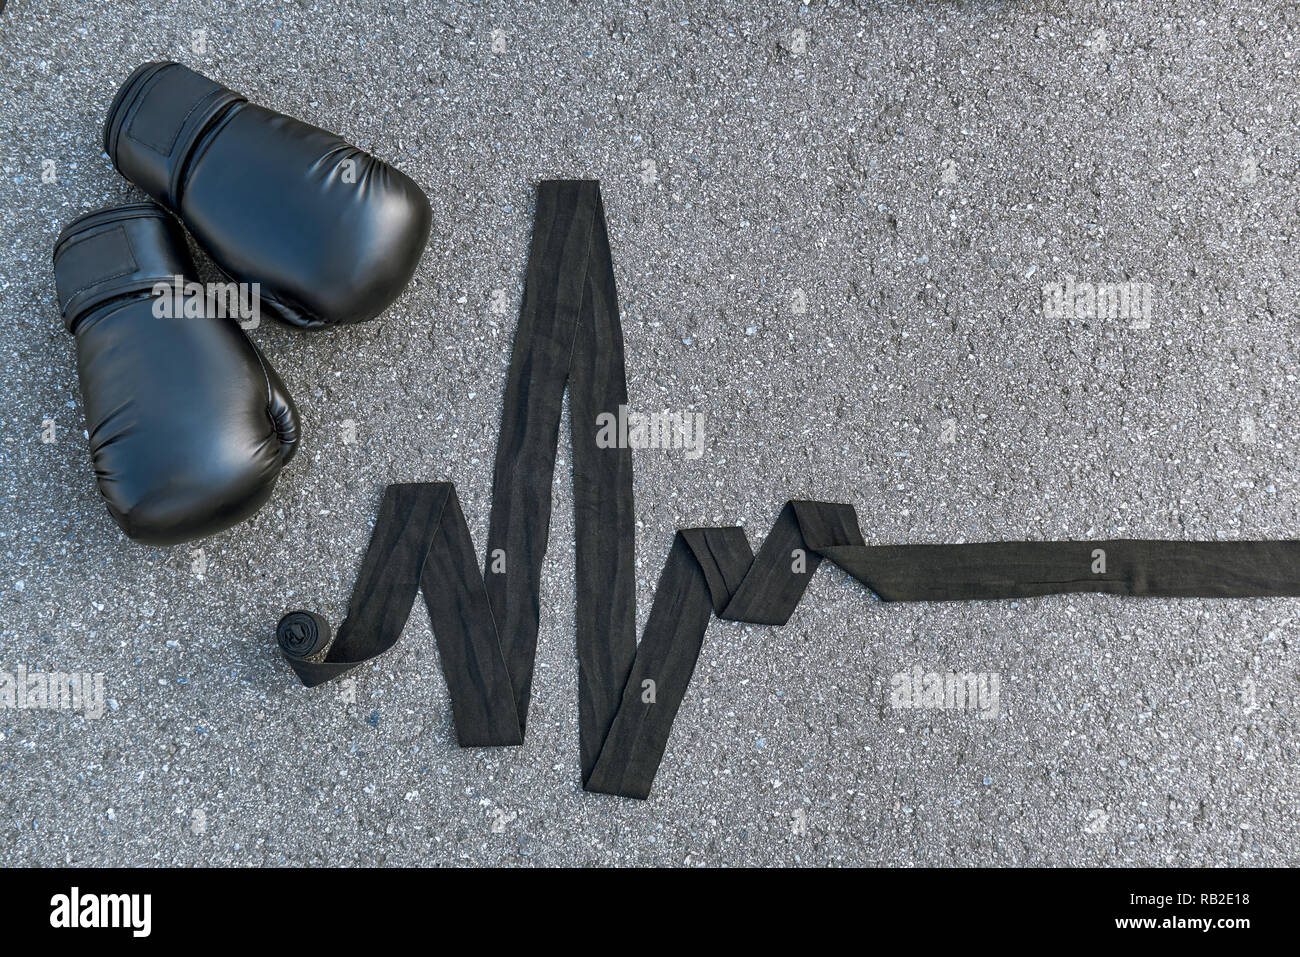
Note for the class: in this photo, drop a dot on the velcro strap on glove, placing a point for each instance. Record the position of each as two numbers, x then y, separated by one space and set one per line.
155 121
116 252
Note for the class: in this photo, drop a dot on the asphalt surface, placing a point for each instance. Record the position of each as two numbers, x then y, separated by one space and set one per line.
831 230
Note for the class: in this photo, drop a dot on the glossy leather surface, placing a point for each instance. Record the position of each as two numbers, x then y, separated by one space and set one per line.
332 234
189 425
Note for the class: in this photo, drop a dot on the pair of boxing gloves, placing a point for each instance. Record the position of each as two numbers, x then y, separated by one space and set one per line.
189 425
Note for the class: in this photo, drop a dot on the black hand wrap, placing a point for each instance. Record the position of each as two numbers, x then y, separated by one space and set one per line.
302 634
485 624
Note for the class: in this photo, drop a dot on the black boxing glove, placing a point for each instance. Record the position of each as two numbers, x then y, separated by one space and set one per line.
189 426
332 234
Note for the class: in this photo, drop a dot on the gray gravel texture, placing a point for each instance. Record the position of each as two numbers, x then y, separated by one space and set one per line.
832 225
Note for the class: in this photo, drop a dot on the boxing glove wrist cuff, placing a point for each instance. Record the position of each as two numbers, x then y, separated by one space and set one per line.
156 121
113 253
